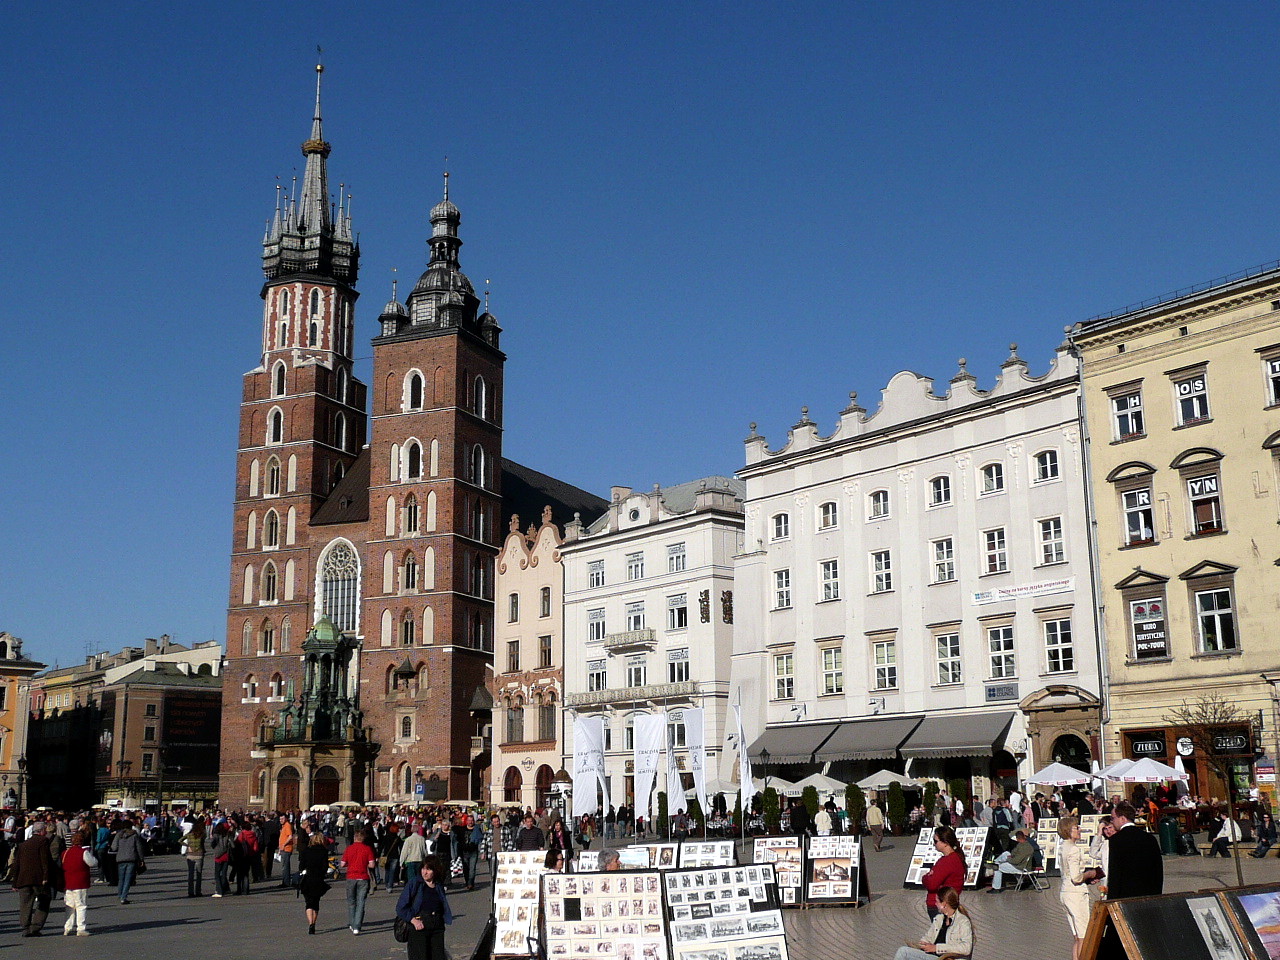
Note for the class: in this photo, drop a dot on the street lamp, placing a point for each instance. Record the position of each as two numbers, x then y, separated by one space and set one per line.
764 765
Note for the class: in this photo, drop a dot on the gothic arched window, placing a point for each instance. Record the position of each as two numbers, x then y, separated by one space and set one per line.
480 397
406 728
271 529
278 380
273 477
315 302
477 465
340 431
407 631
340 585
276 434
414 458
410 515
415 391
270 583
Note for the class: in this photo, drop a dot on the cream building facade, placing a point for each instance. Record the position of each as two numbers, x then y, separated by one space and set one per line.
917 586
649 620
528 684
1183 433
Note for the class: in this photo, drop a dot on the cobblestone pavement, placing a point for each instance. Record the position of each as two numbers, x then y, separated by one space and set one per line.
161 923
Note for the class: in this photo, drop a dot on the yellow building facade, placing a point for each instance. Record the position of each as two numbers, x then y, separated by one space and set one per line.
1182 408
16 671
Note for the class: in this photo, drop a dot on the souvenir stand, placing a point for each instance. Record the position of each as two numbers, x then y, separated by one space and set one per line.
1240 923
604 916
975 842
836 872
726 913
1047 840
786 854
515 902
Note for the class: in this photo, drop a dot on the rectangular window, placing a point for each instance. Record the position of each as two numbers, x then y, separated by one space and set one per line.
635 615
547 721
948 646
1273 382
781 589
881 572
678 612
1126 414
150 711
1000 645
678 665
1053 547
944 560
1217 621
939 491
992 478
1206 504
675 558
1193 399
1139 518
544 602
595 573
513 656
784 676
885 657
1150 640
827 516
629 737
148 762
636 672
830 570
832 670
635 566
544 651
781 526
997 551
515 724
595 624
513 607
149 734
1060 655
878 505
596 675
1046 466
675 731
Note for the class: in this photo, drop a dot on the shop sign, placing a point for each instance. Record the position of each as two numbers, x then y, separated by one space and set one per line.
1185 747
1041 589
1264 770
1147 746
1001 691
1230 743
1149 637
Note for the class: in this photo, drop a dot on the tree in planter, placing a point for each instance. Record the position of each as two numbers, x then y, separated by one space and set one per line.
809 797
662 814
855 801
772 815
897 807
930 799
697 822
1203 721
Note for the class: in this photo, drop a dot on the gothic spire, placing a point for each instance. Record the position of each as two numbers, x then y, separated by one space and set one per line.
313 210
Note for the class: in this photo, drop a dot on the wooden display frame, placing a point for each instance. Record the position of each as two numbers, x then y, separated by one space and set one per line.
787 855
843 852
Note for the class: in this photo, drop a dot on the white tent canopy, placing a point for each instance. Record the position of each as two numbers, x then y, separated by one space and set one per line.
826 786
777 783
1059 775
1116 770
1147 770
881 779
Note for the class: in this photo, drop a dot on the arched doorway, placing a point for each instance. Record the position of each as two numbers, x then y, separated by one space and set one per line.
511 785
542 781
1072 751
327 786
287 789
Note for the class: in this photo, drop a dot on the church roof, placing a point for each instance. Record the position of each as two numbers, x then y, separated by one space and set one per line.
526 492
349 501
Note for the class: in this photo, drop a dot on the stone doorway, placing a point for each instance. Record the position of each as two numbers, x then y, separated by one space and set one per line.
328 785
288 785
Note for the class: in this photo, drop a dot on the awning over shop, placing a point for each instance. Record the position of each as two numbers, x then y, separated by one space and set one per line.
791 743
877 739
975 735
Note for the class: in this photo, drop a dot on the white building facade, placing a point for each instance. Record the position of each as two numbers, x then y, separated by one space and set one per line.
648 620
917 590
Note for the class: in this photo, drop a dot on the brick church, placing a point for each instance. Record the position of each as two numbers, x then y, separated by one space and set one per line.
360 620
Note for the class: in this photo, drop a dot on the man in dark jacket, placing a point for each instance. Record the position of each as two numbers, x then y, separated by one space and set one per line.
1135 866
800 819
529 836
34 877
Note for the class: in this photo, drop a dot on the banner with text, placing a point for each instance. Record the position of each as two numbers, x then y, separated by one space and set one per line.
588 765
650 732
696 738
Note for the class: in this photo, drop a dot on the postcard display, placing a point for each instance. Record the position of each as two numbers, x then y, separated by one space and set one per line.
515 901
1241 923
604 916
786 854
728 913
587 861
707 853
836 871
974 843
1047 840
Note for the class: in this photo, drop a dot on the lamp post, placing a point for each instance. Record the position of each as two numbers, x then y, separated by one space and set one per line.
764 766
22 779
122 769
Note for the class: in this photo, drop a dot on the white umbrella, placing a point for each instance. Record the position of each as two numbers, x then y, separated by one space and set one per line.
1147 770
716 785
777 783
1116 770
1059 775
881 779
825 785
1182 787
1096 781
317 807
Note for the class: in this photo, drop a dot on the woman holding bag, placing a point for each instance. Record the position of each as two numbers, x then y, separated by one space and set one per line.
425 907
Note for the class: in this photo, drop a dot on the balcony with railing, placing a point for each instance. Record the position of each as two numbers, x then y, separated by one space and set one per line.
630 640
653 691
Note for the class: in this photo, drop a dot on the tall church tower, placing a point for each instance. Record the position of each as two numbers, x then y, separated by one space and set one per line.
302 426
435 504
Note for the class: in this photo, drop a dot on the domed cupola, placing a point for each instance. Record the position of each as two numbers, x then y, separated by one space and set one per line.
394 315
443 296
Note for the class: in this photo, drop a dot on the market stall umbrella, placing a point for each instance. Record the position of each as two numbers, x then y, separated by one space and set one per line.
1116 770
1147 770
1059 775
322 807
1182 787
459 803
714 786
823 784
881 779
777 783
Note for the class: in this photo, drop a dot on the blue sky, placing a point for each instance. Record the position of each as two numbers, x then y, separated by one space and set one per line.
693 216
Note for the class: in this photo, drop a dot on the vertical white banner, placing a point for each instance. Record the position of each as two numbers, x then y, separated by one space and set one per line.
588 765
675 788
696 738
650 733
745 791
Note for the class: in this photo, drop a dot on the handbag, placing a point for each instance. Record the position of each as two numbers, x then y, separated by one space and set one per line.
400 930
140 869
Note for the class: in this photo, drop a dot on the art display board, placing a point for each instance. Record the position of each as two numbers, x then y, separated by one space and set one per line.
836 871
708 853
1241 923
975 843
787 856
1047 840
659 856
728 913
515 901
587 861
1090 827
636 857
604 916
